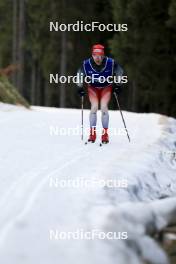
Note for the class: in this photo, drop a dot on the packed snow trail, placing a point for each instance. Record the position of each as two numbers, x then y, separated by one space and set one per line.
33 159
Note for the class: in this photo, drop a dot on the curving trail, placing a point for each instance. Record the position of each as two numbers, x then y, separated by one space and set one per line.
32 161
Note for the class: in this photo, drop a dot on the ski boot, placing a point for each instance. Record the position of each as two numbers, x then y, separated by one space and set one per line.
92 136
105 136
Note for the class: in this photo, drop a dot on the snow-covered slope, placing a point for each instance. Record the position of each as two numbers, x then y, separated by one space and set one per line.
51 183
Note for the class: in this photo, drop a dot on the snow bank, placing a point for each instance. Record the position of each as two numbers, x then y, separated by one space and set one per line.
29 207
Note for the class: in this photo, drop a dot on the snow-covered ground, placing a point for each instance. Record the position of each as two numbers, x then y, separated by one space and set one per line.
52 183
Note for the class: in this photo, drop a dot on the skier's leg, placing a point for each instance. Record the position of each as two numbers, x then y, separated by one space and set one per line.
93 97
104 101
105 98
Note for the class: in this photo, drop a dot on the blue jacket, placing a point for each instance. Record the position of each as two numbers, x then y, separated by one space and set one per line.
109 67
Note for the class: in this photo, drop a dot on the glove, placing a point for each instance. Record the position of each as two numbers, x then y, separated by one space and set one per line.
81 92
117 89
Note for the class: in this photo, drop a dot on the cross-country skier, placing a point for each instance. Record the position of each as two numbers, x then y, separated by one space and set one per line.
99 92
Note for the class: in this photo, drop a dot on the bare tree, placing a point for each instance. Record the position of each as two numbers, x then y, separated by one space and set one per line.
20 80
63 64
15 38
33 83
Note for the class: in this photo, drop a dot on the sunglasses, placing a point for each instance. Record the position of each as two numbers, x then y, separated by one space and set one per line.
100 57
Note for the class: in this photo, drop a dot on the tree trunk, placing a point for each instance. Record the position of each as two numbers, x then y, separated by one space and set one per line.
21 45
15 38
38 85
47 93
63 59
33 83
134 96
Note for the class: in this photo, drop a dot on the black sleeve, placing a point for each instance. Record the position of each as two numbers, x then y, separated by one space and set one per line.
80 74
118 70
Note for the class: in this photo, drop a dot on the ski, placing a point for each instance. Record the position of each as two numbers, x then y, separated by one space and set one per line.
89 142
100 143
103 143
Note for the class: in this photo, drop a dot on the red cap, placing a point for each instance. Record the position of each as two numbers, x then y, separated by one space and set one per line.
98 49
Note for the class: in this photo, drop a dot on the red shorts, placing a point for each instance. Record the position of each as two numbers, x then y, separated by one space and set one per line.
102 95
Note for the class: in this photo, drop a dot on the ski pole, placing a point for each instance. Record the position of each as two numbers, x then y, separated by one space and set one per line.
116 97
82 120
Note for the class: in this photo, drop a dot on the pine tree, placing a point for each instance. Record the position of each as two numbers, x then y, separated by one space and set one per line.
145 52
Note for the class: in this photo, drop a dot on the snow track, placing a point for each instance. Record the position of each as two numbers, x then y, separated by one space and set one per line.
30 158
18 201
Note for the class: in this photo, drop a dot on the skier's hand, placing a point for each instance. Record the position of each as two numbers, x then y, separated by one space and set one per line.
81 92
117 89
